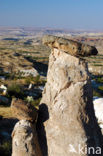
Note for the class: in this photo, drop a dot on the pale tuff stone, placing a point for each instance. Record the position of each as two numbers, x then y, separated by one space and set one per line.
98 107
24 140
72 47
66 115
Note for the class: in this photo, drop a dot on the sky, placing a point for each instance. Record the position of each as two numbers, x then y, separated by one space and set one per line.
68 14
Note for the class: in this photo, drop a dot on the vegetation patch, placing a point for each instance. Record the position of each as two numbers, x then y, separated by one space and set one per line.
6 148
15 90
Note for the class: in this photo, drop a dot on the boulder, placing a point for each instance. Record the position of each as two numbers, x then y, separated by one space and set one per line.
67 125
23 110
24 140
72 47
98 107
29 72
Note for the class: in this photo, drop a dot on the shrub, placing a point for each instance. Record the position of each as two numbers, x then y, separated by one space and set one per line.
5 148
100 79
15 90
95 93
36 102
31 79
100 88
37 79
33 102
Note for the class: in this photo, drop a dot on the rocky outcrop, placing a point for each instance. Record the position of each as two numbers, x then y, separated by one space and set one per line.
98 107
69 46
25 141
66 124
24 135
29 72
23 110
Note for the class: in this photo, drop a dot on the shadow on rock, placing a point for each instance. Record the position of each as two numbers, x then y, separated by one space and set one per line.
91 127
42 117
39 66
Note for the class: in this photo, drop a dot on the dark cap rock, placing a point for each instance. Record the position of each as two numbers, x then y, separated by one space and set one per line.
23 110
71 47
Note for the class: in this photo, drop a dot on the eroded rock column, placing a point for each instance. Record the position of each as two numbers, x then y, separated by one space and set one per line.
24 135
66 110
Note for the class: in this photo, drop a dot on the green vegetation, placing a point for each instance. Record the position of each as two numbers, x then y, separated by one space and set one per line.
34 80
33 102
98 65
36 102
100 88
99 79
5 148
15 90
96 93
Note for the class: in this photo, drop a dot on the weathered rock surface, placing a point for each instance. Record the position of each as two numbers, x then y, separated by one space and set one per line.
72 47
66 110
29 72
24 140
98 107
23 110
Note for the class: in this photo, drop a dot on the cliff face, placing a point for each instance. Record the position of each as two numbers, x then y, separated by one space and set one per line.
66 117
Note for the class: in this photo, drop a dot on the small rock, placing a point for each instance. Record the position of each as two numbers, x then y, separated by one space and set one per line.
30 86
98 107
29 72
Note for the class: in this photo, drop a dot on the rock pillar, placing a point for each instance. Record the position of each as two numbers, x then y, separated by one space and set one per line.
24 135
66 110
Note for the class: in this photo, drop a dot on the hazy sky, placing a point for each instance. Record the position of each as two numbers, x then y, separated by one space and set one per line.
74 14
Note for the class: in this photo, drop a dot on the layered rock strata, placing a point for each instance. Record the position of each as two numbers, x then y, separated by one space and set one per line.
66 124
69 46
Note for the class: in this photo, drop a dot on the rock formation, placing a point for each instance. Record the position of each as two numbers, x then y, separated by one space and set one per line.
24 135
23 110
72 47
98 107
66 124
